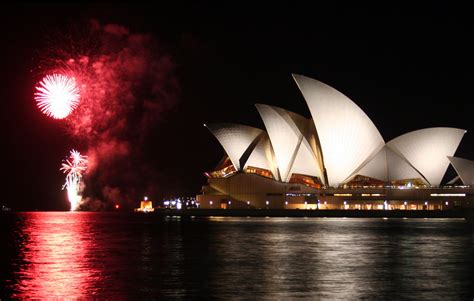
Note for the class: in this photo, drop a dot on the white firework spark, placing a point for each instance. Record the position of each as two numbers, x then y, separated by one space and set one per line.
74 167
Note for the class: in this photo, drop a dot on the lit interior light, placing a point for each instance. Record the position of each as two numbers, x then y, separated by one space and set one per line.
448 194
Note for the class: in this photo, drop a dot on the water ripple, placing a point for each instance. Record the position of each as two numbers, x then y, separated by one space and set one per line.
66 255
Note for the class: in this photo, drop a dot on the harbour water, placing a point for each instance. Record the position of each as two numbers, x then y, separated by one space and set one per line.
132 256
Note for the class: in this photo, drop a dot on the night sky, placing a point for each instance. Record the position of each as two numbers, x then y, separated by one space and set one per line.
407 67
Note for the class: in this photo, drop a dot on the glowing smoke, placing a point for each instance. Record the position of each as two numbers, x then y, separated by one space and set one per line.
127 83
74 167
57 95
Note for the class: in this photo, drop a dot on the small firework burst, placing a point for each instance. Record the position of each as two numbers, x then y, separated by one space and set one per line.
74 167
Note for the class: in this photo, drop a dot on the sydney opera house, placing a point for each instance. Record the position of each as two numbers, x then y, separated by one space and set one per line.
337 159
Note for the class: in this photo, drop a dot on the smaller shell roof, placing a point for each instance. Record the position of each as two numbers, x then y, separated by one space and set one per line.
236 139
464 168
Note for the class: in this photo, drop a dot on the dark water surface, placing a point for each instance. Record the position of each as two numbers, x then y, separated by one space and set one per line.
125 256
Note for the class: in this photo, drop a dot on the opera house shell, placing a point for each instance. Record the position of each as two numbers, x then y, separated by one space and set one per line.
337 159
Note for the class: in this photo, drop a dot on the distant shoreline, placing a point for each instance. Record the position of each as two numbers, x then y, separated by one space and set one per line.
316 213
467 214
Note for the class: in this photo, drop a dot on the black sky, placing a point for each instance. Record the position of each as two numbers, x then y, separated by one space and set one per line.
407 67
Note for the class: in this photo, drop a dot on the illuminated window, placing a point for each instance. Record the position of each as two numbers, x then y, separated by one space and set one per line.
362 181
448 194
313 182
223 170
409 183
259 171
372 194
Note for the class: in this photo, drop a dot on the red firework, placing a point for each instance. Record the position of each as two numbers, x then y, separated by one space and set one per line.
57 95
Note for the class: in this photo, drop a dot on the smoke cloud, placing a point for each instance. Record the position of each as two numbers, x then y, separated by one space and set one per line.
127 84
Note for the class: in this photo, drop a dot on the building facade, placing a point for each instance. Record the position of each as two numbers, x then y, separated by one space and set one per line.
335 160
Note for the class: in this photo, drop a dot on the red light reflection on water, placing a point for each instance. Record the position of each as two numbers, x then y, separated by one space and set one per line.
55 257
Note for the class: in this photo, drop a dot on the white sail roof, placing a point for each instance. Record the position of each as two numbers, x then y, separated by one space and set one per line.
262 156
427 150
305 162
399 169
346 134
464 168
375 168
236 139
342 141
388 166
286 131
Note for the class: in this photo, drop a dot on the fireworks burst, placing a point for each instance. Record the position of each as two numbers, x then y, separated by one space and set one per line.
111 87
74 167
57 95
